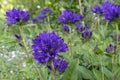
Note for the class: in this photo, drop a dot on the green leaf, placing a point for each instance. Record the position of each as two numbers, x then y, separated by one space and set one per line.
71 72
30 60
107 73
86 73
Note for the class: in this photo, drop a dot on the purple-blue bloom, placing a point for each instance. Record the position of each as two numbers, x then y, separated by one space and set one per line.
87 26
111 49
47 45
86 34
69 17
16 15
41 17
66 28
46 10
97 9
109 10
35 20
59 64
80 28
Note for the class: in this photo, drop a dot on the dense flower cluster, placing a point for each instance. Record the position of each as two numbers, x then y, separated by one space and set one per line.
69 17
109 10
111 49
80 28
66 28
87 34
46 47
42 15
59 64
16 15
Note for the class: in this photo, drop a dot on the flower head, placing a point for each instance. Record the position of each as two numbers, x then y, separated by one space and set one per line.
109 10
41 17
86 34
35 20
66 28
80 28
59 64
47 45
69 17
16 15
97 9
46 10
111 49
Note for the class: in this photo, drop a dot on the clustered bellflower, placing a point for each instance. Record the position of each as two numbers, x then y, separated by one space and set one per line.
59 64
111 49
46 47
66 28
69 17
86 34
109 10
42 15
80 27
16 15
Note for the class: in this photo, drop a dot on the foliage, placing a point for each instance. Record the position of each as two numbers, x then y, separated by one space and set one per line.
86 61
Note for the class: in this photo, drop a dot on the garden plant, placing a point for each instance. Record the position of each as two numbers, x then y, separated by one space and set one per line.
60 40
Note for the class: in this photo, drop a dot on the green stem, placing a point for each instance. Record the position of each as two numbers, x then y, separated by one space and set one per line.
80 5
54 71
26 51
102 66
113 75
70 43
117 34
48 22
117 30
25 46
89 55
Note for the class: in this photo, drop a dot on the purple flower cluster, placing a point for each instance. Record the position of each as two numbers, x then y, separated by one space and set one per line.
16 15
86 34
109 10
69 17
59 64
46 47
80 27
66 28
42 15
111 49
